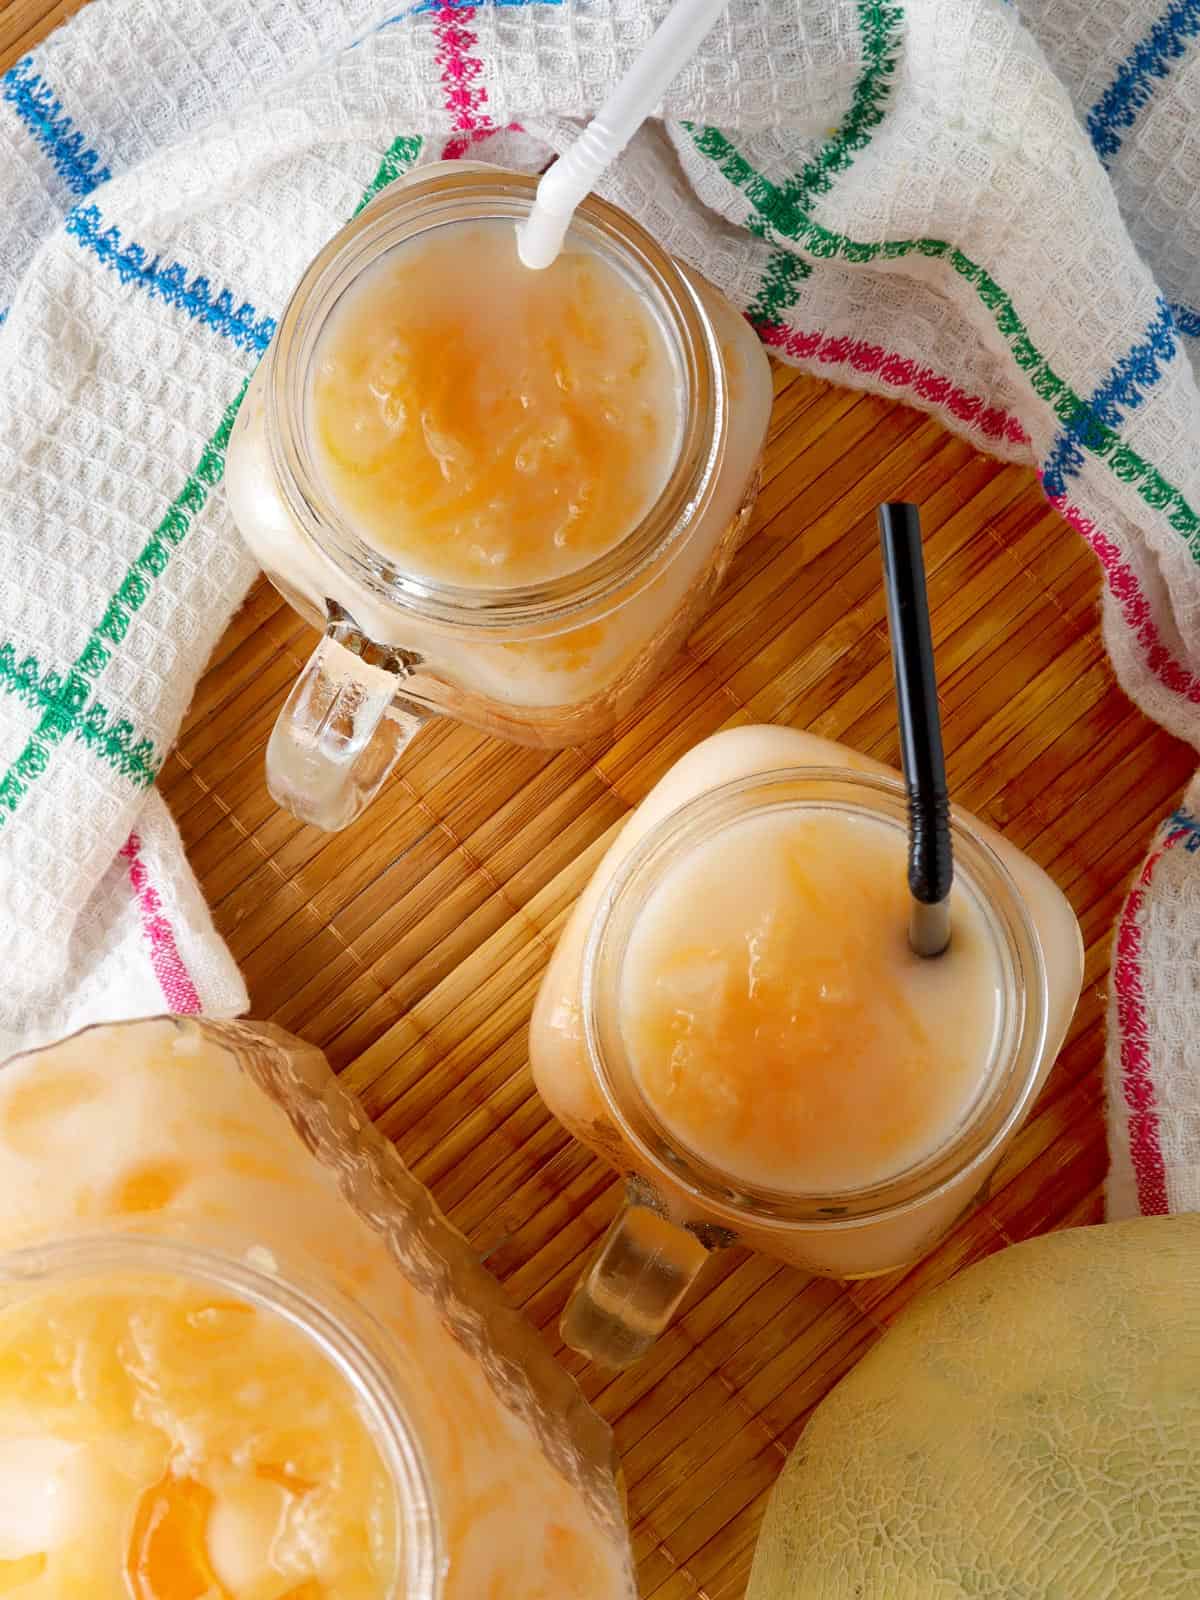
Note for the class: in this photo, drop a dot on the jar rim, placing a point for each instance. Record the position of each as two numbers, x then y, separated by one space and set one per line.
337 1329
1006 1090
418 203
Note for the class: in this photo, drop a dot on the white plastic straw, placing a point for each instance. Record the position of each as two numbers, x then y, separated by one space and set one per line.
682 32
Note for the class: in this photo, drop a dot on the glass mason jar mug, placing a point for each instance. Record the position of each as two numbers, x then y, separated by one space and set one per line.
684 1196
547 662
192 1300
241 1353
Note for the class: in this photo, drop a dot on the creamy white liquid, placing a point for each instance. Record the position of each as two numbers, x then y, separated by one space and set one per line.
778 1022
486 426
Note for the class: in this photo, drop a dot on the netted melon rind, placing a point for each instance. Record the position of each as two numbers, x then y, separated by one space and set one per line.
1031 1431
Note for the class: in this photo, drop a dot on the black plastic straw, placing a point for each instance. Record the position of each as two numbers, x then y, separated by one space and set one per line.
930 855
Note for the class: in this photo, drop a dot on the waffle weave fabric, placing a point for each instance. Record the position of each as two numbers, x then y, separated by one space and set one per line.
991 214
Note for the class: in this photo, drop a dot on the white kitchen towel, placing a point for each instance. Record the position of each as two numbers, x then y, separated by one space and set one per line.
990 212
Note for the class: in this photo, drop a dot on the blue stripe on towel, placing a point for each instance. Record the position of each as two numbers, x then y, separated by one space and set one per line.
1187 320
38 108
1136 79
1124 388
169 281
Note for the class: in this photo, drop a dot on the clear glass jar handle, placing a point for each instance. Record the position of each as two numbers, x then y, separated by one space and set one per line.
634 1283
342 728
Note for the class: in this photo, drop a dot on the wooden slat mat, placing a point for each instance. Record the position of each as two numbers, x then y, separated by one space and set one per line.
410 947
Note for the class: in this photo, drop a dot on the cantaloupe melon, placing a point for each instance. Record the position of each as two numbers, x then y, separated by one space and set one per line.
1031 1431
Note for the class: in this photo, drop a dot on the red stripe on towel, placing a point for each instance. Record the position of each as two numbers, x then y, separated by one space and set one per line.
173 977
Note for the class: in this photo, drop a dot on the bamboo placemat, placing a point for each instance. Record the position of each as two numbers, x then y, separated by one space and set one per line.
410 947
